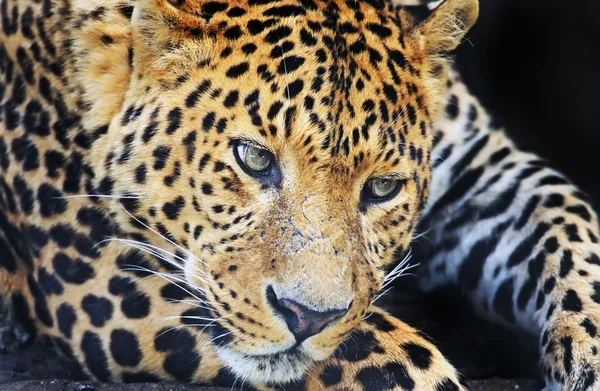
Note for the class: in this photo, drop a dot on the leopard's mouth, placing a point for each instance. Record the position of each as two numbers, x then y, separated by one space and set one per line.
281 367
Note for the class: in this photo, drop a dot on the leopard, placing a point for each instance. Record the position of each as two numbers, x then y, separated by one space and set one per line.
218 192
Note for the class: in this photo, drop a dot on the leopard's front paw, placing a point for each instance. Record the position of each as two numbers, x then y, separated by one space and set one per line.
570 350
383 353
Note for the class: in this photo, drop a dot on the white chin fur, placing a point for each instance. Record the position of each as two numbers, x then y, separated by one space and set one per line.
279 368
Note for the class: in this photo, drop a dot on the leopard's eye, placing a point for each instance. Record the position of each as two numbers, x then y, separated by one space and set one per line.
256 160
381 189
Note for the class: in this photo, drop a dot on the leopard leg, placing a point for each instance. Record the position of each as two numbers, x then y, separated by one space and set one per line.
517 239
382 353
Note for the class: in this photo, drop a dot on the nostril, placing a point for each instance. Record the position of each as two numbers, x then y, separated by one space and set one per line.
291 319
302 321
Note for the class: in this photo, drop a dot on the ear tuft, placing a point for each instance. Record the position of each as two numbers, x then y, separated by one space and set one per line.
441 23
448 23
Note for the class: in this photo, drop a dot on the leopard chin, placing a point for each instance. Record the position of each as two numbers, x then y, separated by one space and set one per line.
284 367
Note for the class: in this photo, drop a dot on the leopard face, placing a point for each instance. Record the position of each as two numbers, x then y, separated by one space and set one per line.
276 154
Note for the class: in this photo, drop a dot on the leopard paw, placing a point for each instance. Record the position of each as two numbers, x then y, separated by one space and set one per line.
383 353
571 354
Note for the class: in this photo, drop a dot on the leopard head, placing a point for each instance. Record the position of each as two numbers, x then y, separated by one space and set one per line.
280 152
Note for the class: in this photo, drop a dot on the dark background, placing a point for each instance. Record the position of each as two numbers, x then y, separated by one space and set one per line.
535 64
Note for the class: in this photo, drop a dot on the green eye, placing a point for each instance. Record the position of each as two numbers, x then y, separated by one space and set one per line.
255 159
379 189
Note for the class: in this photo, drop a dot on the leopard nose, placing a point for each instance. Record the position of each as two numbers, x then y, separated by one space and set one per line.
302 321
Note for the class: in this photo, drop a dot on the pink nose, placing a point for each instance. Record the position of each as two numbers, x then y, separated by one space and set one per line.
302 321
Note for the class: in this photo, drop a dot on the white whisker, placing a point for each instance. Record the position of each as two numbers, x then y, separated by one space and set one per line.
166 239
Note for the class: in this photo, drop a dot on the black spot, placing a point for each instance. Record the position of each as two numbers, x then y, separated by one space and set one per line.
285 11
566 263
294 88
8 259
149 131
41 305
161 155
289 64
133 261
589 327
447 385
36 120
100 226
140 173
331 375
72 271
99 309
390 93
26 64
555 200
208 121
95 356
419 355
379 30
136 305
231 99
25 193
358 346
50 200
207 188
86 247
238 70
452 108
62 235
572 302
593 259
173 292
499 155
66 318
551 245
567 344
125 348
572 233
182 360
193 97
172 209
390 376
119 286
581 211
48 282
379 321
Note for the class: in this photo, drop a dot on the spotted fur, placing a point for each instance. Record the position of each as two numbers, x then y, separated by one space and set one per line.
133 238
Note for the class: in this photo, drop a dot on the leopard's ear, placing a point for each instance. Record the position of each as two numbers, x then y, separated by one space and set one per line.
159 19
179 32
190 16
441 24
